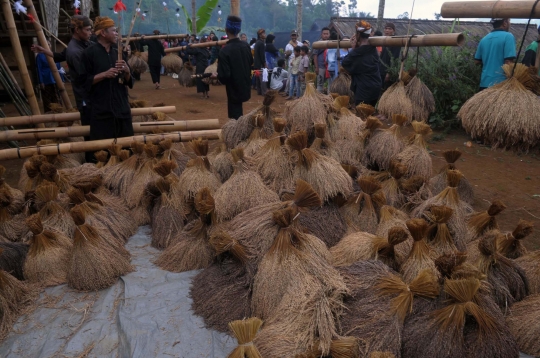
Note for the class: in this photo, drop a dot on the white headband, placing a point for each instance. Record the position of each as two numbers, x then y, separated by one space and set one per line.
363 28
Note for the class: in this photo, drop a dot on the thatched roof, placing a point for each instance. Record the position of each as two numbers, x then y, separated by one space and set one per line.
344 26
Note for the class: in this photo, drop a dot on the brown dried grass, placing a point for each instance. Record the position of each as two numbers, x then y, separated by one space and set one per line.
11 226
184 76
420 257
439 236
222 162
245 331
31 176
415 155
168 214
143 175
257 138
341 85
325 222
391 217
422 100
395 101
438 182
172 63
360 210
365 110
390 180
137 64
530 263
52 213
484 221
510 245
383 146
322 144
118 179
303 113
102 157
523 321
12 257
349 126
172 153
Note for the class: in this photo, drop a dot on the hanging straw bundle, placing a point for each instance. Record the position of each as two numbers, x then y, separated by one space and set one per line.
12 227
439 236
114 152
17 195
438 182
365 110
395 101
172 63
504 115
52 213
523 323
184 76
48 257
60 161
244 190
390 182
419 258
323 145
415 156
93 265
256 139
360 211
137 64
102 157
323 173
385 144
342 84
245 331
481 222
351 152
31 176
510 245
422 100
211 80
272 160
12 257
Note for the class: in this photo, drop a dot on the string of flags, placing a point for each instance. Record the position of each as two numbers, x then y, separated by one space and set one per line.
19 7
77 6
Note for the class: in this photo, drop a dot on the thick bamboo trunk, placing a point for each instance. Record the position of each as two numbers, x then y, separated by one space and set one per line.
138 5
157 37
417 41
380 15
82 131
74 116
235 7
43 42
299 11
204 44
21 63
490 9
193 16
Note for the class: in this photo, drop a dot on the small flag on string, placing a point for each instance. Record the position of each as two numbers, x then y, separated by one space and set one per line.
119 6
77 6
18 7
177 12
219 11
165 6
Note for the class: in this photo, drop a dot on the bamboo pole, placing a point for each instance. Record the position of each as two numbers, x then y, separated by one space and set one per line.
137 5
5 65
74 116
95 145
21 63
490 9
204 44
235 7
156 37
417 41
52 65
82 131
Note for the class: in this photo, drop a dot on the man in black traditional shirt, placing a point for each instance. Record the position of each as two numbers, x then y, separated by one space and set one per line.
388 54
155 53
234 68
110 111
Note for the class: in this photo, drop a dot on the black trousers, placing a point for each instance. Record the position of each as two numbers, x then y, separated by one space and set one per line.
154 72
235 109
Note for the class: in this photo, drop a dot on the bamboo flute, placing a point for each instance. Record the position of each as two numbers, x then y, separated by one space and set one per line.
52 65
156 37
490 9
199 45
75 116
21 63
95 145
456 39
82 131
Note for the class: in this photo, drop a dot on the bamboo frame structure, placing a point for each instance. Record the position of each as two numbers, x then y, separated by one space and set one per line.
204 44
456 39
52 65
8 81
490 9
139 4
21 63
156 37
95 145
75 116
82 131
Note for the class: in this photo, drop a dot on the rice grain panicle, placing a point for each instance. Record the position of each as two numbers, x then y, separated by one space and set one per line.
361 209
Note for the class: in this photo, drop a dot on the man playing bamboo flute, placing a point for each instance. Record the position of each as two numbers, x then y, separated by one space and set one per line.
109 111
234 68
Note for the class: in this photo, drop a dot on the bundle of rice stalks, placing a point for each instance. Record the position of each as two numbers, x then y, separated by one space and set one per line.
365 110
12 257
51 174
184 76
137 64
30 176
12 227
419 258
332 118
360 211
102 157
415 156
60 161
119 178
385 144
504 115
303 113
414 192
172 63
349 126
469 325
114 151
167 215
342 84
140 103
481 222
325 174
93 265
325 222
395 101
16 298
439 236
256 139
245 331
438 182
510 245
222 162
322 145
351 152
17 195
48 257
422 100
52 213
530 263
365 246
143 175
171 152
390 217
244 190
211 69
390 182
524 325
272 160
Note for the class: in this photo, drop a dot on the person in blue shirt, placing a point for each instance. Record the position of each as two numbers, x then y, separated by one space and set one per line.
47 84
495 50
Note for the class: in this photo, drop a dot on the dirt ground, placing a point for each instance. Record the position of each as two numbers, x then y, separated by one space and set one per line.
514 179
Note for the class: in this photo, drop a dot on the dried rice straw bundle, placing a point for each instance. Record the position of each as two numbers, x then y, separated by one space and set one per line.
349 125
395 101
171 152
360 211
511 246
60 161
212 69
420 257
332 118
325 174
184 76
245 331
17 201
102 157
325 222
365 110
167 215
524 325
119 178
12 227
438 182
144 174
414 192
385 144
31 176
351 152
52 213
303 113
342 84
323 145
137 64
530 263
415 156
222 162
481 222
172 63
48 257
390 217
390 182
439 236
504 115
12 257
94 265
244 190
256 139
422 100
114 151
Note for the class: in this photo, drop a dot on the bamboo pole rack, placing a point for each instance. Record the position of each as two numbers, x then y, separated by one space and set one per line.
204 44
490 9
156 37
82 131
89 146
456 39
74 116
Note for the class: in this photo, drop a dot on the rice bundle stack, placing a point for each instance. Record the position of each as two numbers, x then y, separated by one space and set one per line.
272 160
504 115
332 117
184 76
48 257
102 157
324 174
349 125
419 258
30 176
211 69
415 156
256 139
385 144
172 63
342 84
360 211
137 64
170 152
414 192
365 110
93 265
245 331
524 325
222 162
395 101
144 174
390 180
484 221
511 245
52 213
530 263
422 100
119 178
323 145
12 227
325 222
12 257
114 151
60 161
351 152
438 182
439 236
17 195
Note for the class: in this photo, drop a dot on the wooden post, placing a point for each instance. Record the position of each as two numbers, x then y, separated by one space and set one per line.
235 7
194 17
21 63
299 11
43 42
490 9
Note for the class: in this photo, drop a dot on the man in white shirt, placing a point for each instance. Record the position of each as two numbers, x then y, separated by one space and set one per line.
289 55
279 76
